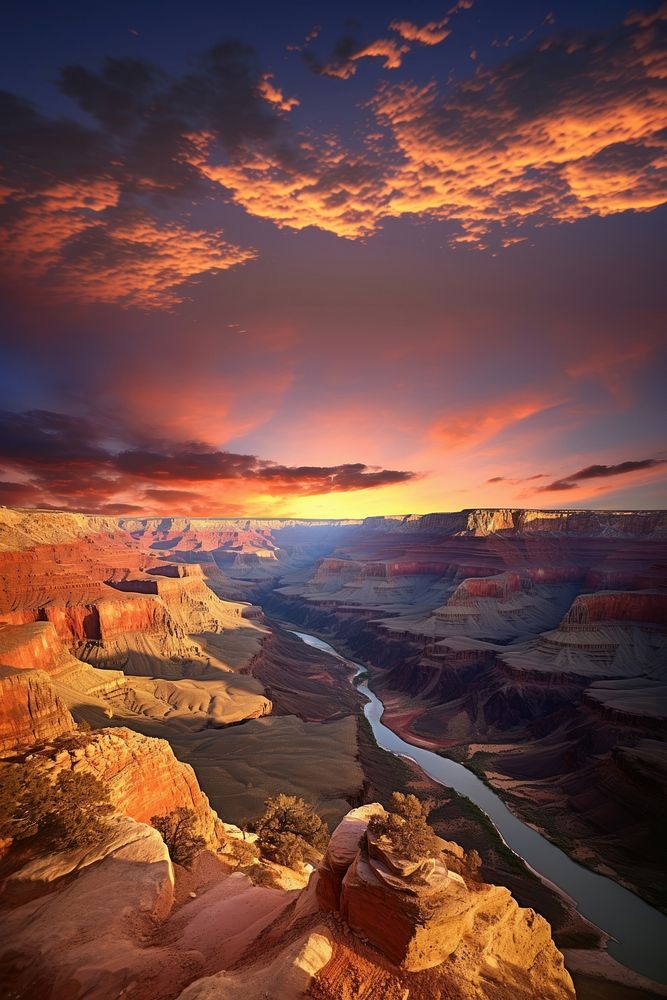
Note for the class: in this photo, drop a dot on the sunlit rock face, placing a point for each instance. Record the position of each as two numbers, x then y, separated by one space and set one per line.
421 916
142 775
614 606
30 710
124 632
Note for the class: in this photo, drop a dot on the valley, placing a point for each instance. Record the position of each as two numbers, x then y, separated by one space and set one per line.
528 646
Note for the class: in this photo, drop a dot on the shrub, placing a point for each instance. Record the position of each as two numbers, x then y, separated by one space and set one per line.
289 831
405 827
180 830
67 812
244 852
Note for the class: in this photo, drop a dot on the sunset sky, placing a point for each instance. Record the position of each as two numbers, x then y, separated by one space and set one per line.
333 259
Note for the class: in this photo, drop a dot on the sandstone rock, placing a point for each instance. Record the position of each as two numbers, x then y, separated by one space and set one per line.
86 939
30 710
634 606
426 918
287 977
142 775
417 926
341 851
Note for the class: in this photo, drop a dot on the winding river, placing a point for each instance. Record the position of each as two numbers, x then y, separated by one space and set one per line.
637 931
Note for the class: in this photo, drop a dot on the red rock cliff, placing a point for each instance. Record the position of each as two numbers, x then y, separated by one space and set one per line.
30 710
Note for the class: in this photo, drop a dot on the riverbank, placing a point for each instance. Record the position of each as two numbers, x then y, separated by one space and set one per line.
636 929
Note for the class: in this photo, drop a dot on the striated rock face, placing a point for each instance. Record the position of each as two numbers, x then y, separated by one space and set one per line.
633 606
188 599
499 586
142 775
517 521
341 852
422 917
36 645
30 710
33 646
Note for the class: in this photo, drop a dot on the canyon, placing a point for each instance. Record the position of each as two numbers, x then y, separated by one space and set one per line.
159 655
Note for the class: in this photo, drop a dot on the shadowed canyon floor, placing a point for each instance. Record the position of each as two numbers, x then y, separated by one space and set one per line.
530 646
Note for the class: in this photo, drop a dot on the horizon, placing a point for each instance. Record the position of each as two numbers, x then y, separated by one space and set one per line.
330 264
362 517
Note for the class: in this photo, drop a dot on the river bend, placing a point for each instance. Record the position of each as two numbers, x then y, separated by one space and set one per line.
637 931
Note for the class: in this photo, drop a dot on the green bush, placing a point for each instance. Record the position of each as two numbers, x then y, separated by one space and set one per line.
405 827
181 833
68 812
289 831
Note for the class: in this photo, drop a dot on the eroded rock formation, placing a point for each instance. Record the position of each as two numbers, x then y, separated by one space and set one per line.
421 916
30 710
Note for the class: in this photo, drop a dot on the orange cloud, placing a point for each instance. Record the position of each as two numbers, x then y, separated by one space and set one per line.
505 148
570 130
428 34
274 95
47 221
64 237
463 429
322 184
392 52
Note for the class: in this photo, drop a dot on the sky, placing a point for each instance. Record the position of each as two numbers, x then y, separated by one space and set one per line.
332 260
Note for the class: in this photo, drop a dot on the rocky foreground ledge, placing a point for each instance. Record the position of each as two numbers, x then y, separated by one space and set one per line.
120 919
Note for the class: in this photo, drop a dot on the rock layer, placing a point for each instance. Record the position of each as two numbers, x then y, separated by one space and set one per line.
30 710
423 917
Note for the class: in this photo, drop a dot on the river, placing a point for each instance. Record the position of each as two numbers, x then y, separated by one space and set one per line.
637 931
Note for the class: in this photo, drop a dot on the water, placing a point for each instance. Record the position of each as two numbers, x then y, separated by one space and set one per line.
637 931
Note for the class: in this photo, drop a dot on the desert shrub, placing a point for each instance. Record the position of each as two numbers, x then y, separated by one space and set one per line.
181 832
244 852
67 812
472 862
289 831
405 827
259 875
468 866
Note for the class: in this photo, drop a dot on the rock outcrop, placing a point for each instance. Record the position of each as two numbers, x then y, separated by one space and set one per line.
421 916
87 938
141 774
30 710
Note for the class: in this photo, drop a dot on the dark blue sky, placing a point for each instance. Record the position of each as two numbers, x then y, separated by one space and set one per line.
411 272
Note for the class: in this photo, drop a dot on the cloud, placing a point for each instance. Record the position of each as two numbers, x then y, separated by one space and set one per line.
515 482
347 51
319 184
82 205
92 251
95 208
599 472
16 494
428 34
465 427
569 129
274 95
65 463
